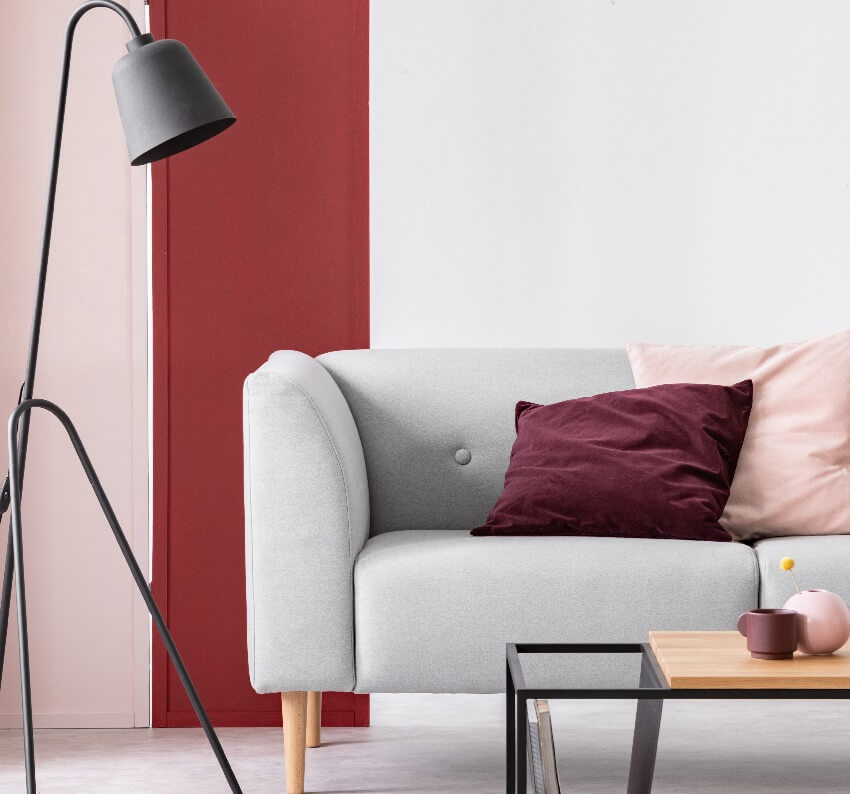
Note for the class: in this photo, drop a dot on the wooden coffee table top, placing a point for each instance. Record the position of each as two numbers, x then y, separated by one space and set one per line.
720 660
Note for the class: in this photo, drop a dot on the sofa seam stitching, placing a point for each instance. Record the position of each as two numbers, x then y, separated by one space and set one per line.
347 510
338 461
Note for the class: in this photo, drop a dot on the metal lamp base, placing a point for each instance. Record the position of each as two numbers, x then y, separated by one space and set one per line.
17 560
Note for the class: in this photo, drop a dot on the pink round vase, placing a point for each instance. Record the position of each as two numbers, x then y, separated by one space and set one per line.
824 621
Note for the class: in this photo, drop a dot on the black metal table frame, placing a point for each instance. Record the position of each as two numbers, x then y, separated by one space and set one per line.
650 694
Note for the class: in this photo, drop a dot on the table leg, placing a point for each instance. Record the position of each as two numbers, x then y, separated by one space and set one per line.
510 733
647 727
522 746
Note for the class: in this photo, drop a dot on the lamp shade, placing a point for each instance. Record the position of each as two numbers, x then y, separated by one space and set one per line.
166 102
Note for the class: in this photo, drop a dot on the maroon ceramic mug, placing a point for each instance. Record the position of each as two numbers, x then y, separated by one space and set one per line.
770 633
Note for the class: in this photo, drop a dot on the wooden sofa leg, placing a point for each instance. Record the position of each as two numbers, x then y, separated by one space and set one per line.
294 708
314 719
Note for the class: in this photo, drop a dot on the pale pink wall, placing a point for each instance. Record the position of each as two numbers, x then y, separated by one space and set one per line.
88 639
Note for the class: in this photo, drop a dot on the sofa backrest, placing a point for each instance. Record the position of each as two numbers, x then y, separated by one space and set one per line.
417 410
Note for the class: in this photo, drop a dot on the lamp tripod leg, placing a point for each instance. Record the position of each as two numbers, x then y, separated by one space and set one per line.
156 616
9 567
6 598
23 642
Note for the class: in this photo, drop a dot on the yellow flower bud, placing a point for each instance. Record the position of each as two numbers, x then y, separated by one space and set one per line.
786 563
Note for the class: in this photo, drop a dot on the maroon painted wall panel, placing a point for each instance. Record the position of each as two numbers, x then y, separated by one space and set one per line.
260 243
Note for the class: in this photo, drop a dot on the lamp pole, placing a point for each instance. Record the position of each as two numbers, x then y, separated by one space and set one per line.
11 491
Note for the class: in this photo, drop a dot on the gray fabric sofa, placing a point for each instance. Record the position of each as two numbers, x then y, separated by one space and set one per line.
365 470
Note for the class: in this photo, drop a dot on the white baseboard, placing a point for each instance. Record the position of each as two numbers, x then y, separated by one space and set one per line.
118 720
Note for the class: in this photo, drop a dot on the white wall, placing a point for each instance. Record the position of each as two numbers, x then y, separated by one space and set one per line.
589 172
88 629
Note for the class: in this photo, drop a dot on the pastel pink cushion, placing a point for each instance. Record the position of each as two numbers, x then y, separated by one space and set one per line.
792 476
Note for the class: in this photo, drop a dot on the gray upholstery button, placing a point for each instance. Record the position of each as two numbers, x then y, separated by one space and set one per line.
463 456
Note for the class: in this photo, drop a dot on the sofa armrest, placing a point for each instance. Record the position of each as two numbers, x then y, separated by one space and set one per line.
306 519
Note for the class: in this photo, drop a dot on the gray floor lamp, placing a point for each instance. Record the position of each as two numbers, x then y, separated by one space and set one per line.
167 104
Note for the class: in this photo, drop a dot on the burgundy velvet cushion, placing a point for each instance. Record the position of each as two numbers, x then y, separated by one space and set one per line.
643 463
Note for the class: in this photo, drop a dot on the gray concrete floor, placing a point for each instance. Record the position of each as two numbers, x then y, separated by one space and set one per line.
421 744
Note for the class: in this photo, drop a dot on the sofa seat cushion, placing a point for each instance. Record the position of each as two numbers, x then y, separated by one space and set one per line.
821 562
434 608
